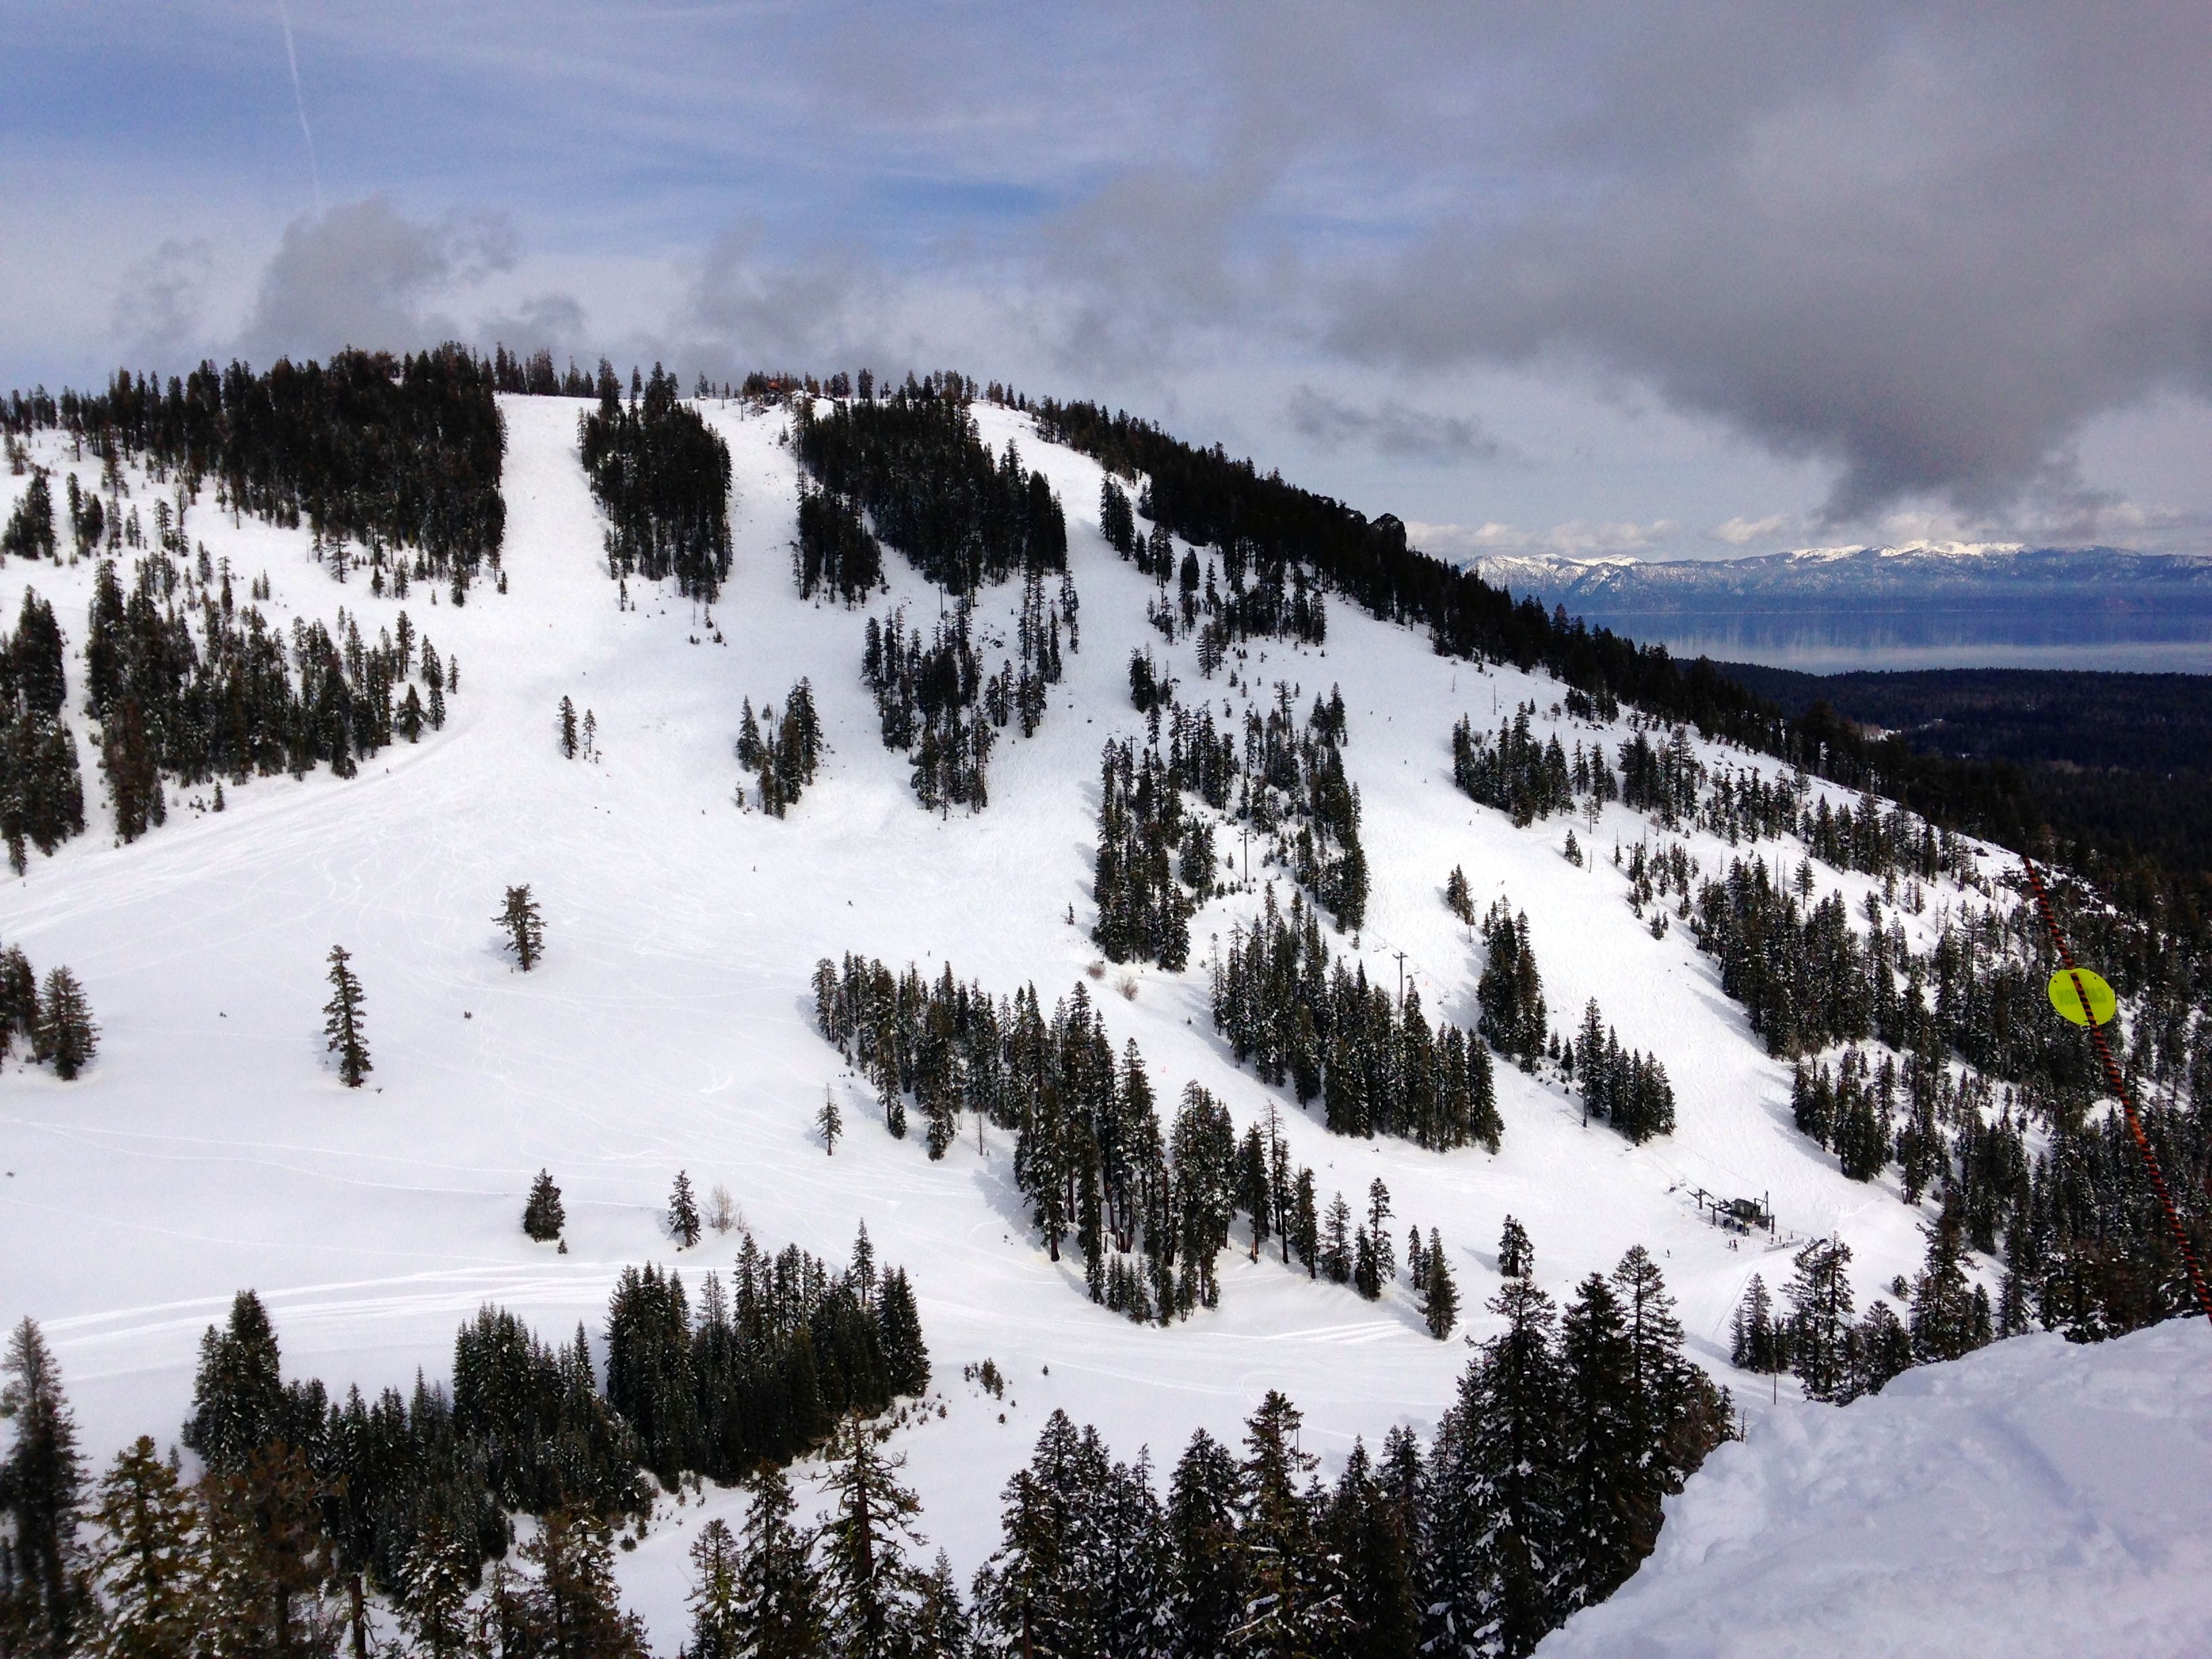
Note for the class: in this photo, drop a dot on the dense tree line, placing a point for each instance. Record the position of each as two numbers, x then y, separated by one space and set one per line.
309 1505
930 486
1279 602
389 452
1540 1494
30 530
834 552
1285 783
1143 906
1148 1205
188 684
1838 1357
535 375
1514 1019
1513 772
936 702
784 752
1624 1087
663 478
41 791
1296 1015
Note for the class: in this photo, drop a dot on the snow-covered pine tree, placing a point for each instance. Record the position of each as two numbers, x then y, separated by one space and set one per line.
779 1610
871 1593
518 919
542 1218
1601 1456
342 1020
1516 1257
41 1479
682 1212
1754 1341
1207 1593
1819 1295
1439 1293
65 1033
432 1599
145 1555
829 1123
906 1355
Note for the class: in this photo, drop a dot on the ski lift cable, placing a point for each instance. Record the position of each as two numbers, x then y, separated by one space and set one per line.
2095 1026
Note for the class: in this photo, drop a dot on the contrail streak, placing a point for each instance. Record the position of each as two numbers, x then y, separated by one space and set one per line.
299 104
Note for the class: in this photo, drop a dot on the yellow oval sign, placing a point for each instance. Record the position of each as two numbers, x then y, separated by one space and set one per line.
2067 1000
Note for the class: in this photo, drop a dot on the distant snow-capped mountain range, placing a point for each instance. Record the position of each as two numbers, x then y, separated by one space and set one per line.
1831 578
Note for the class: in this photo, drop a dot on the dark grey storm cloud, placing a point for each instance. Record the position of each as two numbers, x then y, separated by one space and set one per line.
1925 245
1921 247
1391 430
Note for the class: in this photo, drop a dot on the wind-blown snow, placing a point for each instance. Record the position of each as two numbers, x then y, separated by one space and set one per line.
210 1146
2034 1498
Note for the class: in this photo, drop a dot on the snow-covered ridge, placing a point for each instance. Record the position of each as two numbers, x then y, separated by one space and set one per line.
2034 1498
1996 572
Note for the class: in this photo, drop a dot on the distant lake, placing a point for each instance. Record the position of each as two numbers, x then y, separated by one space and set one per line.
2054 635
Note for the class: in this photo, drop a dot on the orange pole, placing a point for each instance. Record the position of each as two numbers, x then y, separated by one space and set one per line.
2119 1088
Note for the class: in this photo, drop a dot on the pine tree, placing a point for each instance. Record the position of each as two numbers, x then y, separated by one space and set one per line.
1603 1457
869 1588
1286 1596
1037 1592
1754 1341
434 1593
906 1357
1494 1482
718 1626
683 1213
1367 1536
567 729
1207 1594
65 1033
1459 899
542 1218
779 1593
1943 1318
575 1607
238 1392
1517 1257
1819 1294
147 1558
269 1554
1440 1296
40 1476
829 1123
524 926
939 1628
342 1020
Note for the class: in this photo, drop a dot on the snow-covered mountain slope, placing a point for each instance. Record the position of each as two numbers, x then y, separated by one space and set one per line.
211 1147
2032 1498
1827 578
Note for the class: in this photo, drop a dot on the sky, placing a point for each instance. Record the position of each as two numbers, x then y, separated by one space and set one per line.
1685 282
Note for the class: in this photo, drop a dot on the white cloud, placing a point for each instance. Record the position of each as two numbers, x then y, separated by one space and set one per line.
1578 538
1738 531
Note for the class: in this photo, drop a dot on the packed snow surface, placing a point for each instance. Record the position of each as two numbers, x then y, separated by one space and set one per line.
2034 1498
210 1146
